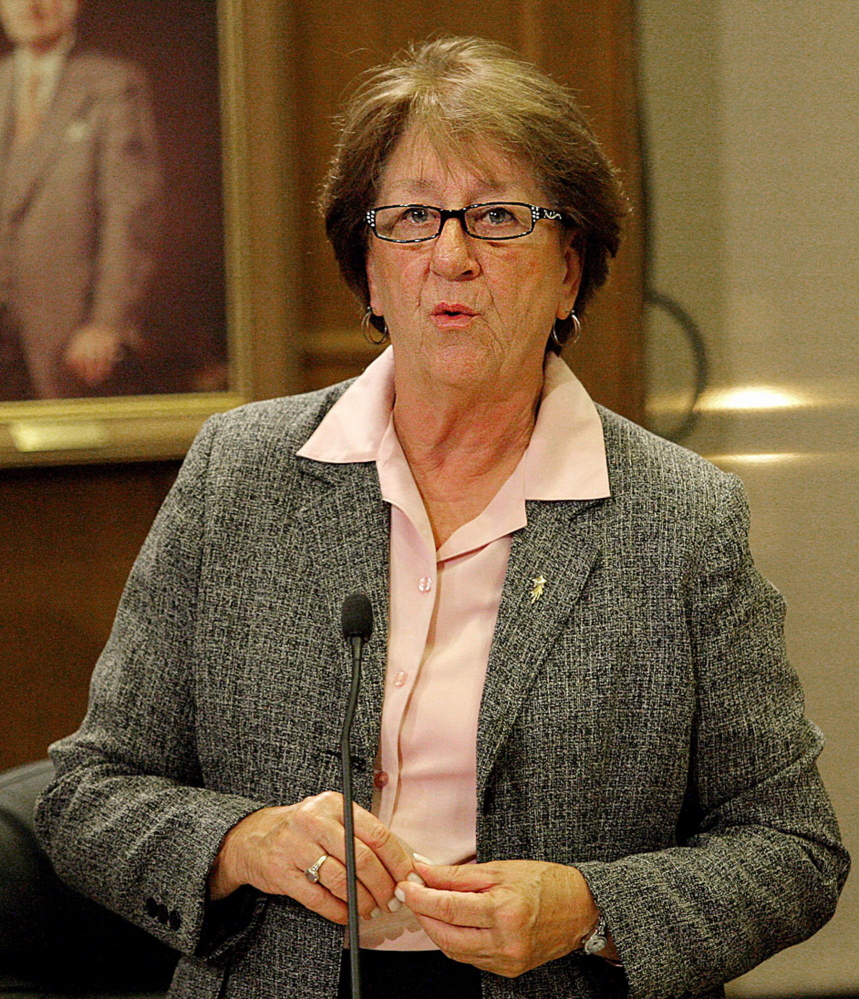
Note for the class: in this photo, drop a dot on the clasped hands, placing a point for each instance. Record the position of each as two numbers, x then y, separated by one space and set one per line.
506 917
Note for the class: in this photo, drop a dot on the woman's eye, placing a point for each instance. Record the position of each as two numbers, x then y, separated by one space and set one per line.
497 216
493 215
417 216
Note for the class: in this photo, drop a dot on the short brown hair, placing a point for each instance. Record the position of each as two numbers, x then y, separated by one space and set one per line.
460 91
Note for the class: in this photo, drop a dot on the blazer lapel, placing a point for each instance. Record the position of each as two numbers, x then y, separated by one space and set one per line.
346 525
550 560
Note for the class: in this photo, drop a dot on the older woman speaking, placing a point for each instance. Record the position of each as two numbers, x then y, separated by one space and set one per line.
582 764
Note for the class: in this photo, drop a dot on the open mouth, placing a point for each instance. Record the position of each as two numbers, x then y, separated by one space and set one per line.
453 311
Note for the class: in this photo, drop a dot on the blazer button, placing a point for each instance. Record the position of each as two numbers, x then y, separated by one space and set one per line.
151 908
162 913
174 920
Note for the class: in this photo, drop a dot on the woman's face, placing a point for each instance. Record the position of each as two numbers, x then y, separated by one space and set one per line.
462 311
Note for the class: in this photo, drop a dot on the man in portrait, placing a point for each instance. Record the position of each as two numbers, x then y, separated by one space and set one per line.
80 205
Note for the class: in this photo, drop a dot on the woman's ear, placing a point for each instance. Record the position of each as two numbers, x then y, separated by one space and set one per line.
372 287
572 277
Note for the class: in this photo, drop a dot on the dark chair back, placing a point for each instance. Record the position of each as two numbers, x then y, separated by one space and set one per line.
50 936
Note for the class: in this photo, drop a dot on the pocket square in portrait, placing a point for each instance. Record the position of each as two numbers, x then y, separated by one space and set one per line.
78 130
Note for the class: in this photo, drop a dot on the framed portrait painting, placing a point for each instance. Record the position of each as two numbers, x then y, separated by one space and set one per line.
122 281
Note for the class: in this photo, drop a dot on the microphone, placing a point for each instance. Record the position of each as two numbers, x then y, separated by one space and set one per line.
356 619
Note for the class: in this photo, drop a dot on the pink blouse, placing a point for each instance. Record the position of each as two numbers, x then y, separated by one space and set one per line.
443 607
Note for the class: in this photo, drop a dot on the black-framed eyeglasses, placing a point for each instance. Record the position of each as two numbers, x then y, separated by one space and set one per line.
493 220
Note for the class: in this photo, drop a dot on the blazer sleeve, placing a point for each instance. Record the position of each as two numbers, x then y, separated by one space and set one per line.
130 202
127 820
759 862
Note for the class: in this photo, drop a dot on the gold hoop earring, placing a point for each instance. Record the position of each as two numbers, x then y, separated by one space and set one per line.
368 336
577 325
561 342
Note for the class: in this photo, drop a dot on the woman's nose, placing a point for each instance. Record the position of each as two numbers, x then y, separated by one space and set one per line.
453 252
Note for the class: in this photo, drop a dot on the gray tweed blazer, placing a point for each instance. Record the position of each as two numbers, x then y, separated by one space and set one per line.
639 721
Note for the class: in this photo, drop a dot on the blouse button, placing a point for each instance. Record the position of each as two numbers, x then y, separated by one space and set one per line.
400 678
425 585
381 779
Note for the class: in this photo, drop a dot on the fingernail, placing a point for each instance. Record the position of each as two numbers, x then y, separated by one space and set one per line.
418 880
376 913
397 903
400 894
422 858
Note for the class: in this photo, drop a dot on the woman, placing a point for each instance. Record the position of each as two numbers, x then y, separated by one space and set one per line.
576 706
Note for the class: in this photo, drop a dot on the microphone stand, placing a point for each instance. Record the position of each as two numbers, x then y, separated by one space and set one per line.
357 645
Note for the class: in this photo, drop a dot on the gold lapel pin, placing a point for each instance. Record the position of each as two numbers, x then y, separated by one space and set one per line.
537 591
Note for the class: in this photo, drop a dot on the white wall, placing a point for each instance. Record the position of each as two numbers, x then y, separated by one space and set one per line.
751 113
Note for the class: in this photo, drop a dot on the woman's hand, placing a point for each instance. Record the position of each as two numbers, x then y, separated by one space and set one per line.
271 849
506 917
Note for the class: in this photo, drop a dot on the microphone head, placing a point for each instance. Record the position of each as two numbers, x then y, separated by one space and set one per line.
356 617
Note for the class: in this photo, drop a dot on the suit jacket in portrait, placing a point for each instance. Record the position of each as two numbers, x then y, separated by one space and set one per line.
79 213
639 720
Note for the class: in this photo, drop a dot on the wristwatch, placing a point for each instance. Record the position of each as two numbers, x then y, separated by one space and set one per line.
596 941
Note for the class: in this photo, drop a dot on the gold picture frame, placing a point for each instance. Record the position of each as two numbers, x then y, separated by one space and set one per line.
156 425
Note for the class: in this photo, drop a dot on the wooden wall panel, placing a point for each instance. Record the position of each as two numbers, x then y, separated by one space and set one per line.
68 537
